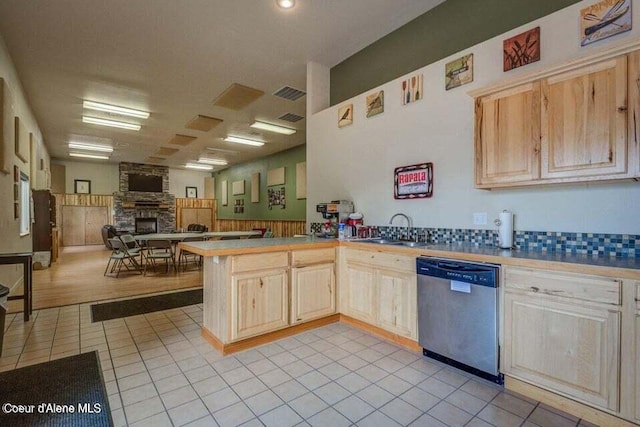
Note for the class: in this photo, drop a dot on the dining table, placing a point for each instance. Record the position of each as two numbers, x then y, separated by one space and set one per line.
211 235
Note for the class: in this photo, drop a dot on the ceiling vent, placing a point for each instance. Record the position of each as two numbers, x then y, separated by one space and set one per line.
290 117
287 92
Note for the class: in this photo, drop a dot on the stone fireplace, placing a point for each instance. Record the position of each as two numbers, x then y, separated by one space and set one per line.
149 207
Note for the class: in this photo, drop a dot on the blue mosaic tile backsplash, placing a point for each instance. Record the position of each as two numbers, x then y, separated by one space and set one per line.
614 245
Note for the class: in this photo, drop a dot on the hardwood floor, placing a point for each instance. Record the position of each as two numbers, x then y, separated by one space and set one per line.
77 277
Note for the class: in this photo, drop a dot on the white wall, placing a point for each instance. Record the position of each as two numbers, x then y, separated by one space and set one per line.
179 179
357 162
15 105
104 177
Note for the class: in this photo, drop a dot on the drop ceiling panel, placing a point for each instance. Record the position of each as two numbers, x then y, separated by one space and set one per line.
237 96
166 151
203 123
183 140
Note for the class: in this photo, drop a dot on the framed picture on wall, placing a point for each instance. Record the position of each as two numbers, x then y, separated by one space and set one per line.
192 192
82 186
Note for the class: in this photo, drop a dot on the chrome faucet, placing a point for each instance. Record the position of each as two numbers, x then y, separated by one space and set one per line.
409 222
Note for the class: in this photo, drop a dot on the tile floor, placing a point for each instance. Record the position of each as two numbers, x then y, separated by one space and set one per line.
159 371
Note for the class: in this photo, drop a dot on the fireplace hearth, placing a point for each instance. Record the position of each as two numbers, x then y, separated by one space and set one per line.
146 225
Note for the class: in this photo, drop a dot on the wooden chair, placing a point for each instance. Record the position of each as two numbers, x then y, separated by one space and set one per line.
121 258
159 250
186 256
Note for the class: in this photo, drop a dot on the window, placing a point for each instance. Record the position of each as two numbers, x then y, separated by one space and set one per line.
25 205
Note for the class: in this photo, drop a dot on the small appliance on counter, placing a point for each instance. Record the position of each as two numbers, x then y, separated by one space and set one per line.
336 212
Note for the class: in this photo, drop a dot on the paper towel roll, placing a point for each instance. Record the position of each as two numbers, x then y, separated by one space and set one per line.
505 230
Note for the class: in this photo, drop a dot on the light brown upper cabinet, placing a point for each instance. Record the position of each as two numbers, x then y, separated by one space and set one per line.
584 121
508 136
576 122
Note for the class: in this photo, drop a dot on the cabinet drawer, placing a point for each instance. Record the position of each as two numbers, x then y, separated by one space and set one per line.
260 261
382 260
312 256
566 285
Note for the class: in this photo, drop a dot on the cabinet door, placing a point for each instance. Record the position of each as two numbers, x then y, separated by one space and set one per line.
73 221
508 136
95 218
188 216
584 121
359 293
259 302
205 216
636 359
397 302
312 292
571 349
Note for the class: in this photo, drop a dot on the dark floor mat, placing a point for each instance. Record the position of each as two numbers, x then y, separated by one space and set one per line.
73 382
133 307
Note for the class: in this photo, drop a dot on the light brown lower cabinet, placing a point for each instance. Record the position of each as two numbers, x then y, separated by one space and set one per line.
313 292
397 302
635 368
564 347
259 302
380 289
562 332
358 293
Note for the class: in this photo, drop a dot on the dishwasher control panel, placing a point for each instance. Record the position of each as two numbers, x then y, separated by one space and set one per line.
477 274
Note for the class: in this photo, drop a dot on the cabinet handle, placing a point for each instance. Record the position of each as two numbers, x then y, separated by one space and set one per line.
637 299
535 289
253 303
622 109
261 283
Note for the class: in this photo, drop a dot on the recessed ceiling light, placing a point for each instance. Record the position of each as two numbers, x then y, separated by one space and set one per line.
273 128
286 4
245 141
111 123
115 109
90 147
217 162
89 156
197 166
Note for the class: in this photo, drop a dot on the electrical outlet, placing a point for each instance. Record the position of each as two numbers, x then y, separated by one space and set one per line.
480 218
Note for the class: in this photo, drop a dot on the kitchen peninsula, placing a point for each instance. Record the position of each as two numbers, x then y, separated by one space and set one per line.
587 309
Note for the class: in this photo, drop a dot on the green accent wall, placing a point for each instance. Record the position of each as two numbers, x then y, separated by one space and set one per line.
448 28
294 209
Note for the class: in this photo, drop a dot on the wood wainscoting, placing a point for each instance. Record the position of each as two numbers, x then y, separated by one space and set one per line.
282 228
86 200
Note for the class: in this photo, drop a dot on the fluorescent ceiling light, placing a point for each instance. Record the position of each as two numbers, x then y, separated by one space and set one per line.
115 109
273 128
89 156
197 166
112 123
245 141
286 4
90 147
217 162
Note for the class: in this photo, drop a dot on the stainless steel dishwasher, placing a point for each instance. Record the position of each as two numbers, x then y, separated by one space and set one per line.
458 314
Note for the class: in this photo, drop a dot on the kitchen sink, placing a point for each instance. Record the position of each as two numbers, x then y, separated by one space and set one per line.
384 241
397 243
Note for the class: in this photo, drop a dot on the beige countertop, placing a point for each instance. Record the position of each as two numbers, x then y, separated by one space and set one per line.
627 268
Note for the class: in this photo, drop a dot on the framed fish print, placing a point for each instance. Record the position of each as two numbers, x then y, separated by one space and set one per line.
604 19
